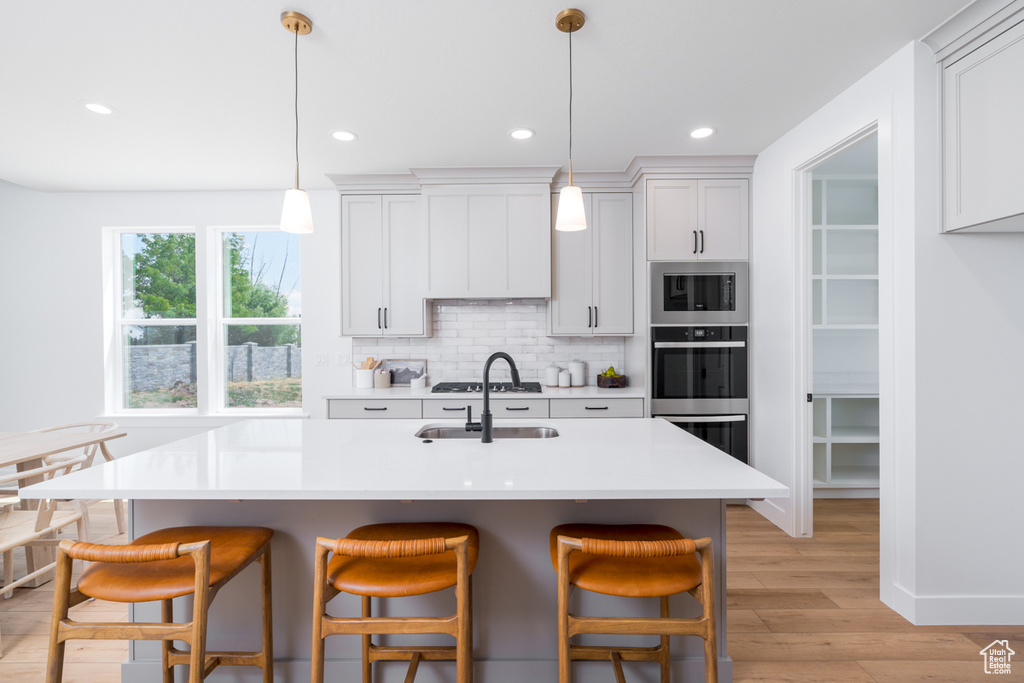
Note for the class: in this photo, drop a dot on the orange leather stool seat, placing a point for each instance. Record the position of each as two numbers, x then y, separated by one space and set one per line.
231 548
392 561
160 566
652 578
635 561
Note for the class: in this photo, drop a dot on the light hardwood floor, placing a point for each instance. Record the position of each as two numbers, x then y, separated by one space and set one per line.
800 610
808 609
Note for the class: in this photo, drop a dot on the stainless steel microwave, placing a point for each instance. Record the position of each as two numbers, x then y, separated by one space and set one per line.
699 293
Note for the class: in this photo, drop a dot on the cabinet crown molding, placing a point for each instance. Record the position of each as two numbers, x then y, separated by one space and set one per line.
485 175
972 26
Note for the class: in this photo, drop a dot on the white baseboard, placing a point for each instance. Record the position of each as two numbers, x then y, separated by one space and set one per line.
958 610
774 514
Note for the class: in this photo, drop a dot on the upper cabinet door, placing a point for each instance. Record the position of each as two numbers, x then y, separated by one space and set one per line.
723 220
612 220
672 220
405 269
689 220
983 136
571 309
362 270
592 292
488 241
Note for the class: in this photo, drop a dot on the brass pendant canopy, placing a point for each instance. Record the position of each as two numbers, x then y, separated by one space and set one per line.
570 20
296 23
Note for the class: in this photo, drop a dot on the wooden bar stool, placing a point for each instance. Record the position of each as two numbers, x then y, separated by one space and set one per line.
398 560
637 561
163 565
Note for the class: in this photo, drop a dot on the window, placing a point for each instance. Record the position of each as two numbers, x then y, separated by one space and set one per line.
259 319
203 321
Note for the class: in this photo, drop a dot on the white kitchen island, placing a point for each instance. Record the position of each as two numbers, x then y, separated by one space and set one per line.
306 478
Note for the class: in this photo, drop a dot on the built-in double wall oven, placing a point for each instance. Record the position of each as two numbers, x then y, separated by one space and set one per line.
699 350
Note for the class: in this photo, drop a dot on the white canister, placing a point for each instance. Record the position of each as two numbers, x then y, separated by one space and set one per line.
364 379
551 375
564 379
418 382
578 373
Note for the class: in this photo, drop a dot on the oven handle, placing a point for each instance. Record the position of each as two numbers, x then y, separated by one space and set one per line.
704 418
700 345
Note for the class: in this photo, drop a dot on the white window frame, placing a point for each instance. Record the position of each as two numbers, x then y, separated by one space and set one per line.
210 323
219 335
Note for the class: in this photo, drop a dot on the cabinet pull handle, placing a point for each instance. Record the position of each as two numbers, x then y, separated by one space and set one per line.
595 316
379 326
701 251
595 407
589 317
385 318
368 408
460 408
521 408
694 241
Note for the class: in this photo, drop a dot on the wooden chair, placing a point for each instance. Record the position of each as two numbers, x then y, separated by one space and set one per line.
633 560
163 565
90 454
30 528
397 560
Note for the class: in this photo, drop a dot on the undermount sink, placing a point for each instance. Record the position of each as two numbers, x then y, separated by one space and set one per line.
453 432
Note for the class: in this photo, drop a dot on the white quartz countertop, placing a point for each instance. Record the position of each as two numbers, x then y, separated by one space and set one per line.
546 392
382 460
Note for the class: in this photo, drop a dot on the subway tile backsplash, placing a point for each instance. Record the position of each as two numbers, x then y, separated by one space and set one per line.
466 332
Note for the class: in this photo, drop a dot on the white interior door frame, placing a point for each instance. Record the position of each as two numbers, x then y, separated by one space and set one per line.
803 490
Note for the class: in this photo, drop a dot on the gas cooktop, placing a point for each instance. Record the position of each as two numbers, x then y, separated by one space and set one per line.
478 387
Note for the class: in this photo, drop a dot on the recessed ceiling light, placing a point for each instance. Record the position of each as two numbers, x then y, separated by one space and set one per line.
344 135
521 133
98 108
701 132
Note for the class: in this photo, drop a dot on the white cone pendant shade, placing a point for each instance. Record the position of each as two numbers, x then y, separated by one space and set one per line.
571 216
296 215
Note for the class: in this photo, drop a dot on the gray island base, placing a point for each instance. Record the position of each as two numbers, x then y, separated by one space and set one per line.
308 478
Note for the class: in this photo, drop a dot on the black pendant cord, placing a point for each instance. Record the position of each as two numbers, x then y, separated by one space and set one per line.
570 107
296 61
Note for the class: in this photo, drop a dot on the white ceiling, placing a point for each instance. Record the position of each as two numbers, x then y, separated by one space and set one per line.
203 88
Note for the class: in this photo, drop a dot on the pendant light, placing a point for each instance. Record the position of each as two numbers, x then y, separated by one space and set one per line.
570 216
296 215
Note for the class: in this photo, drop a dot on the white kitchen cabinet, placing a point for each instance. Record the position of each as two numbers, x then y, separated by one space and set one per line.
983 138
383 269
453 408
373 409
592 288
597 407
488 241
691 219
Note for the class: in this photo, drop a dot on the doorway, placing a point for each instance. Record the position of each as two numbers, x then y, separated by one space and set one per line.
844 323
838 229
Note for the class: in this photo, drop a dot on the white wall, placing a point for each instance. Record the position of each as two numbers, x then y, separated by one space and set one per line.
51 346
952 332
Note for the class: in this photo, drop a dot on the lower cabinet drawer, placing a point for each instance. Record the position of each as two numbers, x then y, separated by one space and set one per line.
510 408
453 408
365 409
519 408
597 407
